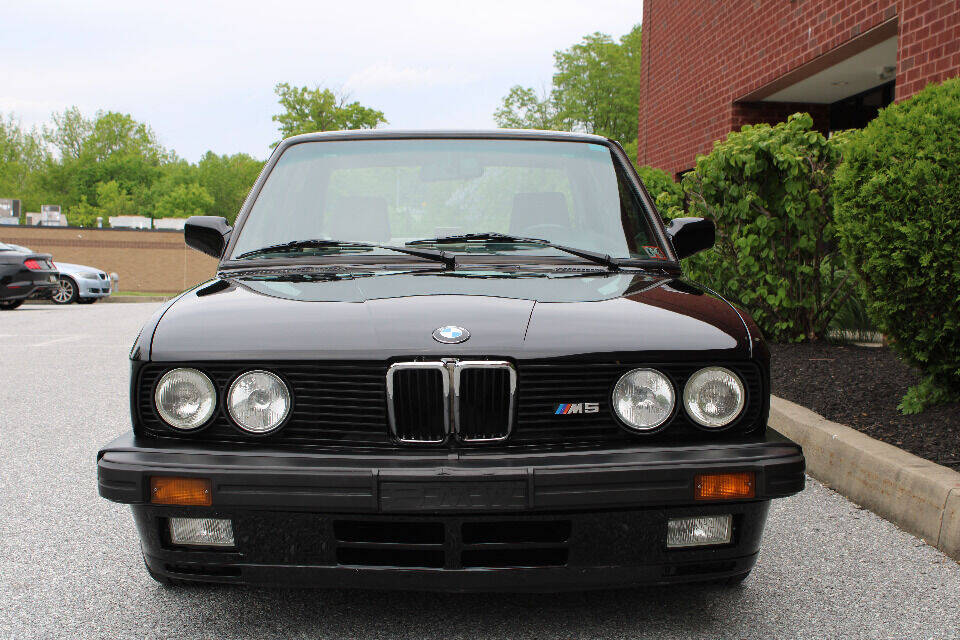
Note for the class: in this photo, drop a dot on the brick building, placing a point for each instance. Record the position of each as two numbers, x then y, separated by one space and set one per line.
711 66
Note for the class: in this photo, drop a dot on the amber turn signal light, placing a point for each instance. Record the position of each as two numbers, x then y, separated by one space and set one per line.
194 492
724 486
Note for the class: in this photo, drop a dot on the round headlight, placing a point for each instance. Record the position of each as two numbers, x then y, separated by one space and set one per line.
258 401
714 397
643 399
185 398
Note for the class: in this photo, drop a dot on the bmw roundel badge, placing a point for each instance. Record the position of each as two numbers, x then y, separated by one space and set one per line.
451 334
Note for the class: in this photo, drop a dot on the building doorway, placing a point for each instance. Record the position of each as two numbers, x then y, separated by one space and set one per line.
856 111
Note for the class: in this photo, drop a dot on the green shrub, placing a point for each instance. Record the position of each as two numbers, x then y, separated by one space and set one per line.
898 219
852 323
662 188
769 191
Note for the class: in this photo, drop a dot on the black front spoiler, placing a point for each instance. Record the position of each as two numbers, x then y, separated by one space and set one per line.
320 481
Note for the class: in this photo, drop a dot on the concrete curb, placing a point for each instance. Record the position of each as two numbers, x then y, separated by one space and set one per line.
917 495
137 299
117 299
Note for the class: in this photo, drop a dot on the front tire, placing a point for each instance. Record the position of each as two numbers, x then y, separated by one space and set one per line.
67 291
10 305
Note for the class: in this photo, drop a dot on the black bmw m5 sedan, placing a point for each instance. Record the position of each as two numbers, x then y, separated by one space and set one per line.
454 361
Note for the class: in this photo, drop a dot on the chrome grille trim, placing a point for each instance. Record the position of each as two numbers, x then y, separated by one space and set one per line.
458 368
391 399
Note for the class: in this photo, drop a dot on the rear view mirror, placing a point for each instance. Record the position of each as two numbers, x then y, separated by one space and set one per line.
451 169
691 235
207 234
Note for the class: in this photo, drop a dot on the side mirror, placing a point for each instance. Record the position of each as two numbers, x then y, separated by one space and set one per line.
207 234
691 235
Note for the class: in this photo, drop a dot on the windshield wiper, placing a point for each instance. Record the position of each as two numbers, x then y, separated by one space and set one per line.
430 254
493 237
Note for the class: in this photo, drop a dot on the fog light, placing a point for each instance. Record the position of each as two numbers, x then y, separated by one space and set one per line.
201 532
698 532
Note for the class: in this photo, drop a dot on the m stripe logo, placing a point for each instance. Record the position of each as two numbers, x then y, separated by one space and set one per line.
577 407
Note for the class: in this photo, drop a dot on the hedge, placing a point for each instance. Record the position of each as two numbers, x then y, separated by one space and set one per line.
898 219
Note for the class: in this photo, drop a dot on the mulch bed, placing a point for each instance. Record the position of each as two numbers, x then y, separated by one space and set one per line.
861 388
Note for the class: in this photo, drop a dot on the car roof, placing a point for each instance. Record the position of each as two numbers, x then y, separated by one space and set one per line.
449 134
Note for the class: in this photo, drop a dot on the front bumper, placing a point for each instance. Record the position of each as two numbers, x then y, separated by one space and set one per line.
93 288
296 514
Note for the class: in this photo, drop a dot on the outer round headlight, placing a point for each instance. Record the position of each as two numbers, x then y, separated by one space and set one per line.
714 397
258 401
643 399
185 398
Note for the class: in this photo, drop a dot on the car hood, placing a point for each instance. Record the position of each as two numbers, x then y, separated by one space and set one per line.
380 315
66 267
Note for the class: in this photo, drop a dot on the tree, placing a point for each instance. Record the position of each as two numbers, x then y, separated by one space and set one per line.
596 89
113 200
597 85
118 149
115 134
306 110
22 157
228 180
183 201
523 108
70 130
115 165
84 214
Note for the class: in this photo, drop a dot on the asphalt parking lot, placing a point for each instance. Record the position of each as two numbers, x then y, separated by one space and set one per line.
70 566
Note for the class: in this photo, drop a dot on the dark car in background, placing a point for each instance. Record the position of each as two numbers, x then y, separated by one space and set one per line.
452 361
23 274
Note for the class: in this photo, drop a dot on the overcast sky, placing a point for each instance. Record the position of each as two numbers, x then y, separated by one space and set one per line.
202 73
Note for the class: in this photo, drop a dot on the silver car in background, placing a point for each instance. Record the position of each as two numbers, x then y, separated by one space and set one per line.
79 283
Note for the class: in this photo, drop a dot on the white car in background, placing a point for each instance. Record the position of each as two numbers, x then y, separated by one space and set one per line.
78 283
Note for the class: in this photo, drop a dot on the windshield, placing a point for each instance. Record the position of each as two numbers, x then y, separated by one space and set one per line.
392 192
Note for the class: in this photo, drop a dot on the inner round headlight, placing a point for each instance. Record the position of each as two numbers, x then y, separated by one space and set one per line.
643 399
258 401
714 397
185 398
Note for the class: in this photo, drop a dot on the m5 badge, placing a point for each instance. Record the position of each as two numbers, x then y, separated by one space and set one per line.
577 407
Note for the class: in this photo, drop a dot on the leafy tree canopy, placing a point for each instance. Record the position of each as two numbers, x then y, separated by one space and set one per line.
306 110
183 201
112 164
596 89
228 180
69 131
22 157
